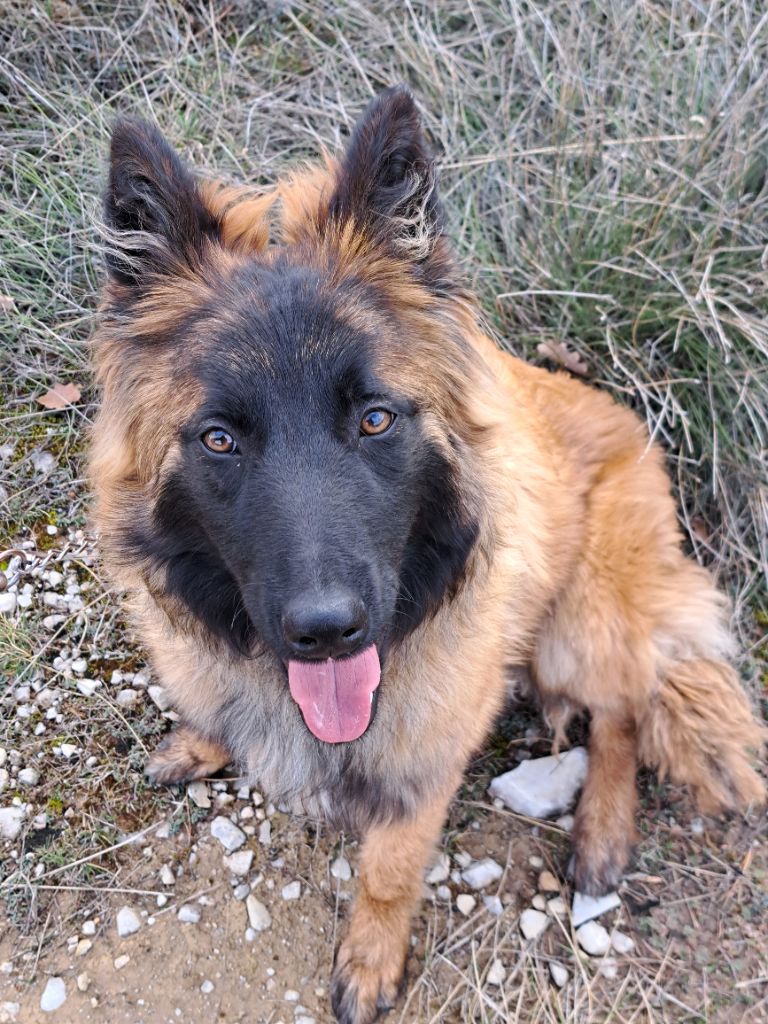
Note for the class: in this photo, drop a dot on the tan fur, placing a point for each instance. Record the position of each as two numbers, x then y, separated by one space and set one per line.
578 573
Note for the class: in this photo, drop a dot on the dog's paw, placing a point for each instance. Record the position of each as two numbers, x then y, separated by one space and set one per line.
599 862
185 755
364 986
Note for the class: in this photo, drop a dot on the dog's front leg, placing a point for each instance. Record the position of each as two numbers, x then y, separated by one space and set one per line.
371 961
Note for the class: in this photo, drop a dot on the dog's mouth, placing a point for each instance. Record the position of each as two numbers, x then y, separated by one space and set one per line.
336 696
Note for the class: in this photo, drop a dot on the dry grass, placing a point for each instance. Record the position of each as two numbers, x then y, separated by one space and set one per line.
604 168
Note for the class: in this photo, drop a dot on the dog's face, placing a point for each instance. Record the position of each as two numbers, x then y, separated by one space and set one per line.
299 467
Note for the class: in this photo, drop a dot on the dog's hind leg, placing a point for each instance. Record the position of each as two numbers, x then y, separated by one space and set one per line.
184 755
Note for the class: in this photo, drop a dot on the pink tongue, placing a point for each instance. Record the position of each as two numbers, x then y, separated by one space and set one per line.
335 696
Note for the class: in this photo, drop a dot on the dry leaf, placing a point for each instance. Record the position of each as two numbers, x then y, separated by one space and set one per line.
60 396
559 352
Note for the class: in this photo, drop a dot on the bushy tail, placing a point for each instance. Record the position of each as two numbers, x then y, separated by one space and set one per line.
699 729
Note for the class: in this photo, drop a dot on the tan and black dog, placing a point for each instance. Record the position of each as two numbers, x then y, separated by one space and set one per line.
341 515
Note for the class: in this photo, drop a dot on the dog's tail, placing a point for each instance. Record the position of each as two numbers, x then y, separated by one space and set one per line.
699 729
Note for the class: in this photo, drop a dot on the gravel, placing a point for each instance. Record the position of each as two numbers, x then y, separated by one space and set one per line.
585 908
496 973
533 923
188 914
482 873
239 863
544 786
29 777
128 922
340 869
466 903
54 995
259 918
291 891
11 819
229 835
559 974
621 943
198 794
593 938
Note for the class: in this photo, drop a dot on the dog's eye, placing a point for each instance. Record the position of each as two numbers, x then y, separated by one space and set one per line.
219 441
376 421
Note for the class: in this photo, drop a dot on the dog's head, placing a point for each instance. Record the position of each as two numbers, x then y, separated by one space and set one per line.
284 446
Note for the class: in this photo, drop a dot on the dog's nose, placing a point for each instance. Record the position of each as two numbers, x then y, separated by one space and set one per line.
325 625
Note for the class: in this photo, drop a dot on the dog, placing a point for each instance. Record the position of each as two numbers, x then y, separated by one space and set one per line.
341 515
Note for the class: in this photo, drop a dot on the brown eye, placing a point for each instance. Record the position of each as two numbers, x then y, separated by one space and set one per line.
377 421
218 441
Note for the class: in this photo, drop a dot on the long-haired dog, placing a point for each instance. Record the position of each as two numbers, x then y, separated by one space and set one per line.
341 515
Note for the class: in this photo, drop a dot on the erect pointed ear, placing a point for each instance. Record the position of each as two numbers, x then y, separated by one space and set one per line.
152 206
386 181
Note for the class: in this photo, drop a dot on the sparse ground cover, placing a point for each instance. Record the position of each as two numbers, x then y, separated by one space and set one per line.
604 172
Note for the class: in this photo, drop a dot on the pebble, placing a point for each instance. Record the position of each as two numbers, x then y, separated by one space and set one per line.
585 908
198 794
533 923
340 869
83 981
536 862
89 927
493 905
697 826
79 665
566 822
239 863
593 938
83 946
609 967
8 603
11 819
259 918
250 934
557 907
9 1012
482 873
543 786
167 876
228 834
159 697
121 961
28 777
465 903
291 995
127 698
303 1019
539 902
240 892
265 832
443 892
188 914
292 891
88 686
128 922
496 973
548 882
54 995
559 974
621 943
207 987
440 871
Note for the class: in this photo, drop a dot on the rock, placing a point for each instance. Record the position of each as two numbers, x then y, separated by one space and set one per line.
239 863
68 750
28 777
496 973
557 907
440 871
228 834
585 908
167 876
291 995
465 903
543 786
609 967
89 927
188 914
566 823
593 938
536 862
198 794
8 603
443 892
128 922
265 832
240 892
482 873
127 698
259 918
83 946
54 995
11 819
159 697
621 943
79 666
88 686
9 1012
697 826
533 923
493 905
121 961
207 987
548 882
292 891
83 981
340 869
539 902
559 974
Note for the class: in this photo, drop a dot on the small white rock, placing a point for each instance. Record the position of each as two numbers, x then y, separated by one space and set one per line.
609 967
496 973
121 961
167 876
340 869
557 907
539 902
228 834
493 905
239 863
585 908
127 698
188 914
241 892
482 873
291 891
265 832
54 995
198 794
533 923
622 943
128 922
440 871
543 786
83 981
84 946
207 987
559 974
443 893
291 995
88 686
259 918
8 603
465 903
88 927
159 697
28 777
593 938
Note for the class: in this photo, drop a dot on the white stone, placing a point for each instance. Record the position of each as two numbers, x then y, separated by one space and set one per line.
443 893
84 946
593 938
559 974
557 907
128 922
28 777
496 973
585 908
228 834
543 786
565 822
167 876
291 995
121 961
539 902
241 892
533 923
291 891
239 863
8 603
188 914
79 665
609 967
465 903
259 918
127 698
440 871
9 1012
88 686
68 750
89 927
482 873
10 821
198 794
159 697
493 905
54 995
621 943
83 981
340 869
207 987
265 832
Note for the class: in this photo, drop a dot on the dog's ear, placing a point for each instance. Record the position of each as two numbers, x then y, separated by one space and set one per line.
386 181
153 210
